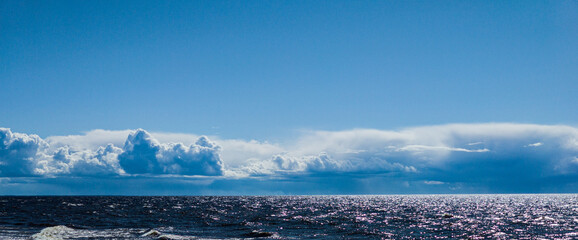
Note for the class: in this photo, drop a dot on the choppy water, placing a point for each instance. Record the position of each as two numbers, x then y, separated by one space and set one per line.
291 217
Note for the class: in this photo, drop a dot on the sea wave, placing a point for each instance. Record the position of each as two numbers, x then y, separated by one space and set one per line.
54 233
290 217
62 232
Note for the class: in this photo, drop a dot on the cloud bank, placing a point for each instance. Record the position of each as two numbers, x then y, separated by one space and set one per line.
23 155
490 157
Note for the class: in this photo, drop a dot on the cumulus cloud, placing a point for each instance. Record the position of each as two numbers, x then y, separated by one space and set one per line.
284 163
29 155
65 161
18 152
143 154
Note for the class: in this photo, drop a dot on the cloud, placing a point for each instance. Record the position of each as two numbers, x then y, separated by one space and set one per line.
423 148
491 155
23 155
18 152
495 156
433 182
535 144
284 163
65 161
142 154
237 153
89 140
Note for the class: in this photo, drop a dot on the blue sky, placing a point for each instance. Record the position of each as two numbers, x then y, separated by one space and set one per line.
294 97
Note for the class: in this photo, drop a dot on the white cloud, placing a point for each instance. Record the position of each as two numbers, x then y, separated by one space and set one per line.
237 153
423 148
535 144
18 152
414 149
446 152
143 154
90 140
103 161
433 182
81 155
318 163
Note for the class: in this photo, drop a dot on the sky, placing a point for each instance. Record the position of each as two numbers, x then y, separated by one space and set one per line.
288 97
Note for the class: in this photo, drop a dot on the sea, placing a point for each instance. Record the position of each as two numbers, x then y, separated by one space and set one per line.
290 217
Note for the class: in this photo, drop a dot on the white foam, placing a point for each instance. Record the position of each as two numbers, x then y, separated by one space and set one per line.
158 235
53 233
151 233
63 232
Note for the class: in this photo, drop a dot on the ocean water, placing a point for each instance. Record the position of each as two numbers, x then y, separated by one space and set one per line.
292 217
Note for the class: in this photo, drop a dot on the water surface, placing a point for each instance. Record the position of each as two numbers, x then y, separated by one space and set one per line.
291 217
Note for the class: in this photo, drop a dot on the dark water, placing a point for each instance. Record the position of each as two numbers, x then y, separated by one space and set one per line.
288 217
